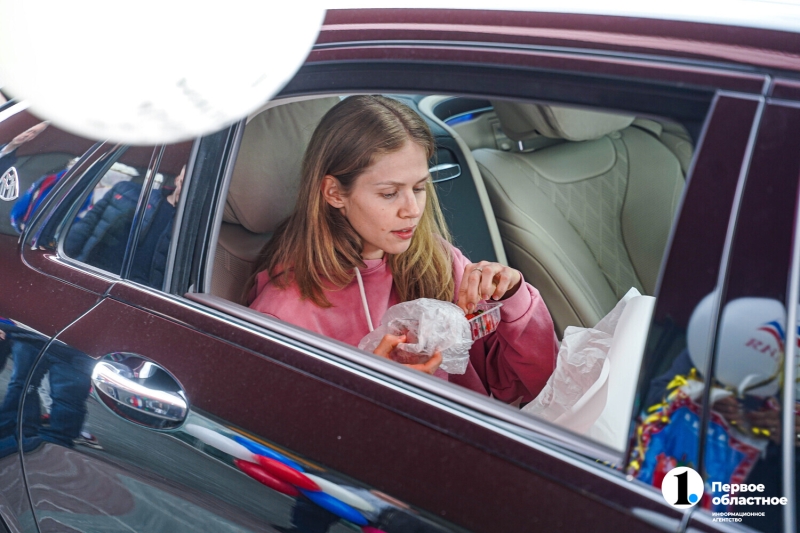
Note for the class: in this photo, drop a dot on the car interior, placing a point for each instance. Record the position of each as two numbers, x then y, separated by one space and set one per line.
580 201
537 170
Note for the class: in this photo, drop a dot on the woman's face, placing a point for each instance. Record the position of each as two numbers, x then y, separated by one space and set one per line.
387 201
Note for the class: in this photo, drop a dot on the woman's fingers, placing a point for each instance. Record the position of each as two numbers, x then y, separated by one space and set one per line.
390 342
485 280
490 275
476 284
431 365
387 344
505 280
468 291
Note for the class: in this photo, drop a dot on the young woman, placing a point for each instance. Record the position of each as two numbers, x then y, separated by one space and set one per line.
368 233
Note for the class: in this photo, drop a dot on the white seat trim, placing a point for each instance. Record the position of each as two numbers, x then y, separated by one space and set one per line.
426 106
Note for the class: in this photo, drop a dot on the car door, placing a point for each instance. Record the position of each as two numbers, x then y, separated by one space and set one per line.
92 467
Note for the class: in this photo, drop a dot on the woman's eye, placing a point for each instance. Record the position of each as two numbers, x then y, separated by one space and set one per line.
389 195
417 191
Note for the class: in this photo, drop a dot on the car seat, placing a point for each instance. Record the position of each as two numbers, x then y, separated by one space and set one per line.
587 216
263 188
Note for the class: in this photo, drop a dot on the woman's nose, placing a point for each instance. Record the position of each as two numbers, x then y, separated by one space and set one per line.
410 207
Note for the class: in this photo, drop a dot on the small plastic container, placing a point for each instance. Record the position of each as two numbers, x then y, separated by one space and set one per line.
486 321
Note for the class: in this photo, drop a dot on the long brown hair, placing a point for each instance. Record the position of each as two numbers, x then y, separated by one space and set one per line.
317 248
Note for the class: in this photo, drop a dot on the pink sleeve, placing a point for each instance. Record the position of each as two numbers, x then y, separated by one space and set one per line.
517 359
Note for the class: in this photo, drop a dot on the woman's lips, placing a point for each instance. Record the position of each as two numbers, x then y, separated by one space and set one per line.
405 233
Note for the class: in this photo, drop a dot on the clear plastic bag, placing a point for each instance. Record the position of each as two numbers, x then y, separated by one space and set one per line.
578 366
429 325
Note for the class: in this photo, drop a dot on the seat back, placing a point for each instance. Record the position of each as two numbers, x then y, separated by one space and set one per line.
587 218
263 188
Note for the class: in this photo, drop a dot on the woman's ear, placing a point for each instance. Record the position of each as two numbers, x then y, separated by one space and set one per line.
332 191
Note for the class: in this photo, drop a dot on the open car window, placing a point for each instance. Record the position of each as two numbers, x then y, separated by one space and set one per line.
580 201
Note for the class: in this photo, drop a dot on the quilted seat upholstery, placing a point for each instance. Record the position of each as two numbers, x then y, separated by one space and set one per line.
587 218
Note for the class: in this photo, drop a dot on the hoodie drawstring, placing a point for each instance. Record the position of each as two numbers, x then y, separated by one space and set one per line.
364 299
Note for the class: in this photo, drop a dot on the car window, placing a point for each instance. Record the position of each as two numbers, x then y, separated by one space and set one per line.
155 229
99 233
125 220
580 202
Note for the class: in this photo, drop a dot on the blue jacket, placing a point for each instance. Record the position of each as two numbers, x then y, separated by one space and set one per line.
150 258
27 204
100 238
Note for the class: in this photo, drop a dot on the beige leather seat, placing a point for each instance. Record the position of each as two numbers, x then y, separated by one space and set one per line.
263 188
587 217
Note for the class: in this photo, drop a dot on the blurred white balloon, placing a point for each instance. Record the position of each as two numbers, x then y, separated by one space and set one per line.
150 71
750 345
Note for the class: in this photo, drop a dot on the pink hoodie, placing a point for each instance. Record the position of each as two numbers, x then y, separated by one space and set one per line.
513 362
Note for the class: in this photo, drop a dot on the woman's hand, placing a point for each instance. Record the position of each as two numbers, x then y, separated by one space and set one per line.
485 280
390 342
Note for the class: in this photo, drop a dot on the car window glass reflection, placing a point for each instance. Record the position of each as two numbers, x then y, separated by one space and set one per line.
99 234
32 164
717 407
744 431
55 389
155 231
26 206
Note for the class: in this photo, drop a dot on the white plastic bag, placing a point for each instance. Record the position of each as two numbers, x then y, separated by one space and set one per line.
429 325
579 364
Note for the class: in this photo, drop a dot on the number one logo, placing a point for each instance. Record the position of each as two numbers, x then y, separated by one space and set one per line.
683 489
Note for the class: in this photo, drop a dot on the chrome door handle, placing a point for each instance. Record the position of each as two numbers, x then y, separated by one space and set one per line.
117 387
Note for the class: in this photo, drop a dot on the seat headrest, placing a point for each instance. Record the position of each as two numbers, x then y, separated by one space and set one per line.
266 177
526 121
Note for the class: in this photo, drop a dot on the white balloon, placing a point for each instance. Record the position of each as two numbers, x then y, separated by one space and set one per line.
150 71
750 344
